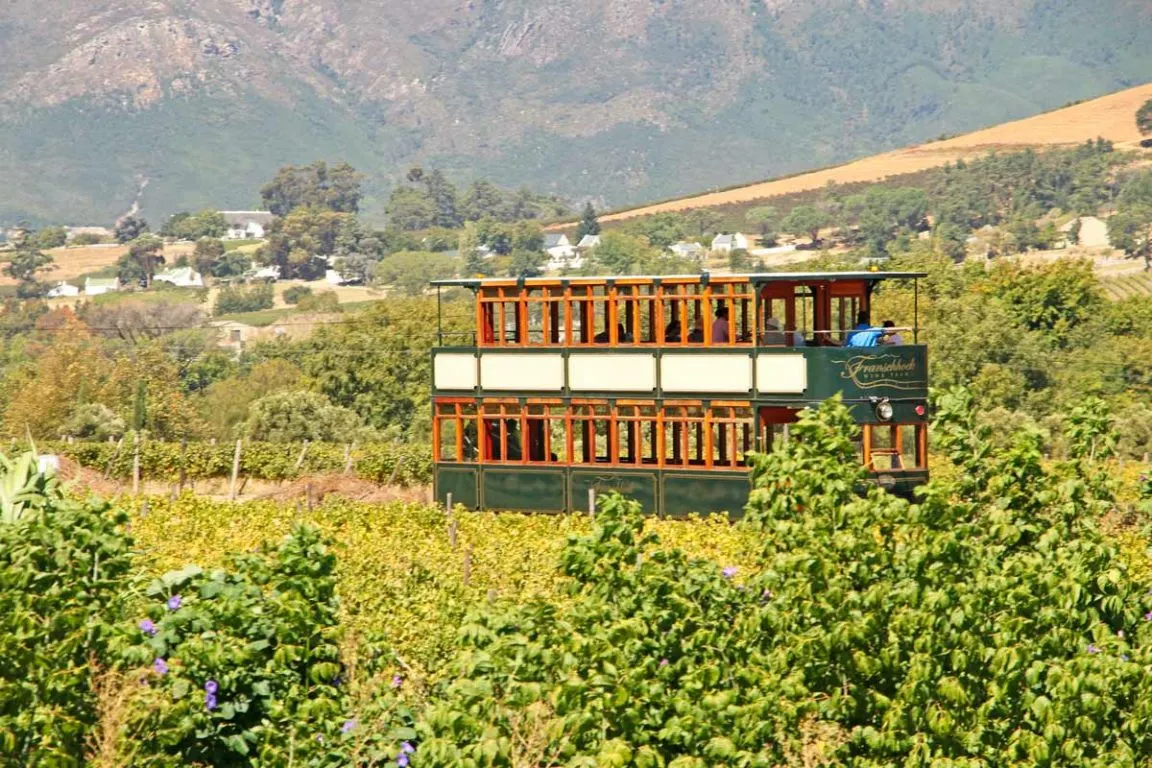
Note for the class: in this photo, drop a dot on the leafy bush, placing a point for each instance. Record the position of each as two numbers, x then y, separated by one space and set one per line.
325 301
93 421
64 574
292 417
234 299
243 661
295 293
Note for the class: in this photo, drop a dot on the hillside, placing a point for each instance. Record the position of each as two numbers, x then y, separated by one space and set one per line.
181 105
1111 117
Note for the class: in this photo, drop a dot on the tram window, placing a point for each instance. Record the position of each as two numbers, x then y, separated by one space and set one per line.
545 434
774 436
731 429
636 314
684 438
636 434
501 433
684 315
736 300
844 311
804 314
591 430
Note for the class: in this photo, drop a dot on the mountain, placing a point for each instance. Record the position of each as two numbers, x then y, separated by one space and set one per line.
180 104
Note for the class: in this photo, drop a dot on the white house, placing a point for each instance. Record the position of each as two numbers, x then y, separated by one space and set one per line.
333 277
269 273
729 243
558 246
588 242
63 289
688 250
247 225
181 277
561 262
94 286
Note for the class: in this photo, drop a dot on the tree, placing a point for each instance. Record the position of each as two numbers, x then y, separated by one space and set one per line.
619 253
442 194
25 267
526 263
231 264
185 226
331 188
298 242
765 218
129 228
410 209
93 421
1130 230
588 223
50 237
1144 118
409 272
704 220
208 252
233 299
805 219
139 264
482 200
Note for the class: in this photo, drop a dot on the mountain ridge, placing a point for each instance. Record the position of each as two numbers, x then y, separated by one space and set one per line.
612 100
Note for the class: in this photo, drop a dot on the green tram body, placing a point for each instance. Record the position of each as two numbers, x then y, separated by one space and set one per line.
561 369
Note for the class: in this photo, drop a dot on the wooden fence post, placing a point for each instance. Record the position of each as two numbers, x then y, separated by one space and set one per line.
300 458
348 463
592 501
452 533
136 464
183 463
235 470
467 566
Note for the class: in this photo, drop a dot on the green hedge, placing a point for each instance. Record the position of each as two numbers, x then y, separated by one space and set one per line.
401 464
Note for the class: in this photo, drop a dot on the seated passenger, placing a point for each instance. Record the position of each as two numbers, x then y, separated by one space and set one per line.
795 335
862 324
696 336
720 326
773 336
672 330
621 335
891 337
864 337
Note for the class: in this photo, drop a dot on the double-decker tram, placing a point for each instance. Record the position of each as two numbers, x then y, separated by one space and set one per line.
659 387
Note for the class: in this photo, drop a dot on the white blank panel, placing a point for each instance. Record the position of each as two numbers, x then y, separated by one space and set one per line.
454 372
611 373
781 374
706 373
522 372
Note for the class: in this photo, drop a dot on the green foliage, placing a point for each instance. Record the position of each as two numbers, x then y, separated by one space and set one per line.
409 272
245 663
188 226
130 228
64 584
401 464
1057 299
209 251
233 298
806 219
291 417
293 294
1144 118
26 266
324 301
335 188
50 237
588 223
93 421
139 264
433 201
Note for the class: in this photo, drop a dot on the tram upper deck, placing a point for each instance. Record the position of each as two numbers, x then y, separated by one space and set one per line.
775 337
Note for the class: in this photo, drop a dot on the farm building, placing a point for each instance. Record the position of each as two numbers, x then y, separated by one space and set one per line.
181 277
63 289
729 243
94 286
247 225
688 250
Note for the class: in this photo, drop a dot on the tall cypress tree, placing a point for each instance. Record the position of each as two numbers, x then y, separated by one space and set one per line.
588 223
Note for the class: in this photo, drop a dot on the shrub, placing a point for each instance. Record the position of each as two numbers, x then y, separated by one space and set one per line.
325 301
295 293
64 573
234 299
292 417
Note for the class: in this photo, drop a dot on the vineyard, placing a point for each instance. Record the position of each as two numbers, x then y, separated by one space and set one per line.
1127 286
1004 619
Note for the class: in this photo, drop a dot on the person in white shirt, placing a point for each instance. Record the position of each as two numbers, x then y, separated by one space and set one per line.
772 336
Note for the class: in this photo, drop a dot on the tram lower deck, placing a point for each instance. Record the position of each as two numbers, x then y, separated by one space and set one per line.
676 457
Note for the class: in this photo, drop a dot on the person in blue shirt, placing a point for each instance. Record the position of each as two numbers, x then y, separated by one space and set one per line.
863 334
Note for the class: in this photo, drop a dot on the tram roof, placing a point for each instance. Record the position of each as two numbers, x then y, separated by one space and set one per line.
754 277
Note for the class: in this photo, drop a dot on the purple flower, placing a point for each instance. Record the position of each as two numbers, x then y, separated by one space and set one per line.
210 687
407 749
402 760
160 666
1148 616
663 662
397 681
1123 657
209 701
729 572
1093 649
173 602
148 628
348 726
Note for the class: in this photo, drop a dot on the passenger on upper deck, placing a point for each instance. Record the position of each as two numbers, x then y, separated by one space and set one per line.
891 336
696 335
862 324
720 326
773 336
